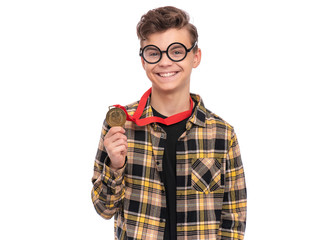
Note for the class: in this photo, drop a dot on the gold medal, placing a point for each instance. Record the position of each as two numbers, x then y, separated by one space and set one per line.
115 117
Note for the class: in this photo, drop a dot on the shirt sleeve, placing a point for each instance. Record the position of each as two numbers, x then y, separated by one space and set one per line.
233 216
108 186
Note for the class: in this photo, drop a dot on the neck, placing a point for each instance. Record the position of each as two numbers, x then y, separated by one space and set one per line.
169 104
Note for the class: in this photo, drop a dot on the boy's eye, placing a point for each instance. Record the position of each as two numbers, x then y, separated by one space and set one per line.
177 51
152 52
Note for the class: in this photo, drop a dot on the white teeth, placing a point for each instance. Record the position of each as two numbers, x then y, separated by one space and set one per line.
166 74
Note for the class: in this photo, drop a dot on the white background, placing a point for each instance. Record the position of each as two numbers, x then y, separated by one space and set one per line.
267 68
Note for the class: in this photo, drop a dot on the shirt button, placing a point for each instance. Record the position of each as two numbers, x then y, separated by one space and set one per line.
157 162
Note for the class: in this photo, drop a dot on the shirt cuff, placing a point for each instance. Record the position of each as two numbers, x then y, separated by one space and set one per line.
113 178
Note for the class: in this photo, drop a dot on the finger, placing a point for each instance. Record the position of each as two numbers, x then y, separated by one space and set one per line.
114 130
115 137
117 143
120 150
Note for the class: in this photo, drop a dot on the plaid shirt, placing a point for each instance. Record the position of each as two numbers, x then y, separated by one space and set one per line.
210 182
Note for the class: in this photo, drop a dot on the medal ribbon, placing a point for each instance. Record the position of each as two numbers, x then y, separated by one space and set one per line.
144 121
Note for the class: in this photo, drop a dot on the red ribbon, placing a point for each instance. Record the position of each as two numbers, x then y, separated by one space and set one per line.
144 121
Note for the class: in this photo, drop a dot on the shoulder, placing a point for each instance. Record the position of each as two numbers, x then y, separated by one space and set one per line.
213 120
208 119
132 107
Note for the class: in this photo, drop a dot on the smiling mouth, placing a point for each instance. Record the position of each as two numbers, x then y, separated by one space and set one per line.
167 74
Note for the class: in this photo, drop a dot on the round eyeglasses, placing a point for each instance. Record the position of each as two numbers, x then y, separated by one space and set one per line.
175 52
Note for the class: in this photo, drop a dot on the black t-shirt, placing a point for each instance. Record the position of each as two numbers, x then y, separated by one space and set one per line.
168 176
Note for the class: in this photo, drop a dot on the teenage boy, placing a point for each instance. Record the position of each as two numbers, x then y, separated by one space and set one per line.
174 171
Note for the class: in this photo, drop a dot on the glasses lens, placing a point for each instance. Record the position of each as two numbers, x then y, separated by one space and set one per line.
177 52
151 54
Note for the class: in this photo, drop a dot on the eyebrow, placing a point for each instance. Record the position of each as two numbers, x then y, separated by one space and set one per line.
177 47
152 48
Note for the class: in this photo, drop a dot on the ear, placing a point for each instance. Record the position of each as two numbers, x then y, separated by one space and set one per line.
197 58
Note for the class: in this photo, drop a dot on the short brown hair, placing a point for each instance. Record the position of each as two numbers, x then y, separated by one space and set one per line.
164 18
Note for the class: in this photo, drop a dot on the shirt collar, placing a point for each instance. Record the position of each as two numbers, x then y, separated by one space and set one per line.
196 118
198 115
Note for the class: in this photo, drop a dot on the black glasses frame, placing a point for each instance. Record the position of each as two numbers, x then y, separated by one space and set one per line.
161 52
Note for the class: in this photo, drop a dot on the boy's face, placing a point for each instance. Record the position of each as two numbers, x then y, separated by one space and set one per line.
167 75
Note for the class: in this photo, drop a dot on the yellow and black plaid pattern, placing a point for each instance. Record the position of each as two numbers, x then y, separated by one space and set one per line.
210 194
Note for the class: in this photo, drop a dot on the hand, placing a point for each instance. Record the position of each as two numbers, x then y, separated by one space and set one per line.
115 143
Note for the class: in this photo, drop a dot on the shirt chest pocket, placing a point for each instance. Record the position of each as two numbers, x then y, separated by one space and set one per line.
205 174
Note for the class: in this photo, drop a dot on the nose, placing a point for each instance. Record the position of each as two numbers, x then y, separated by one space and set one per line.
165 59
